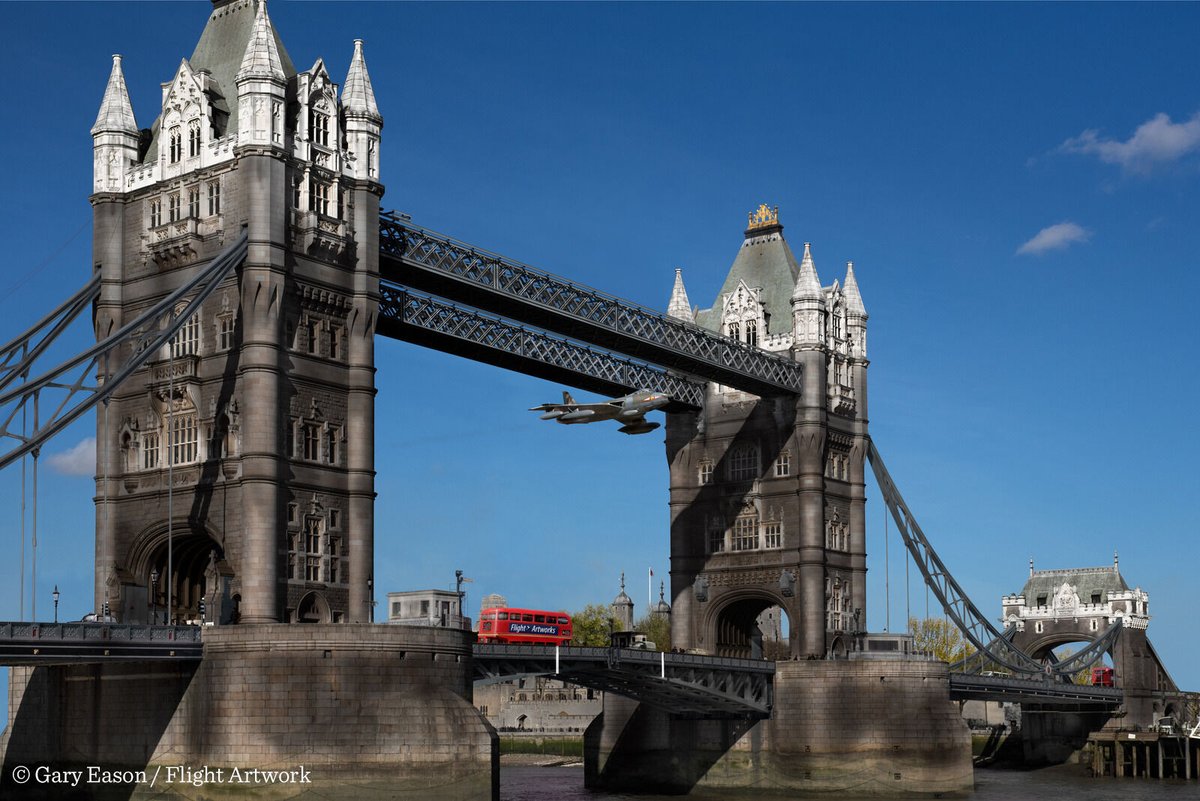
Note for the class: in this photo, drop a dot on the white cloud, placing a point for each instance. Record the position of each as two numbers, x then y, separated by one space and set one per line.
1055 237
79 461
1156 141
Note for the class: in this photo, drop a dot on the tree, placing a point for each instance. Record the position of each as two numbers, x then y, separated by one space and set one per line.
592 626
657 629
940 638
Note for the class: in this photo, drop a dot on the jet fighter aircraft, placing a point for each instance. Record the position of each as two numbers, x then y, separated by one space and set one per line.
629 410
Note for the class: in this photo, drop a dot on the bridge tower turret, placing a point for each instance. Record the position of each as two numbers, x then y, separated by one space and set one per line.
237 468
767 493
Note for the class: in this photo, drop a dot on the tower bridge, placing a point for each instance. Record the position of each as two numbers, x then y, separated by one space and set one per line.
243 269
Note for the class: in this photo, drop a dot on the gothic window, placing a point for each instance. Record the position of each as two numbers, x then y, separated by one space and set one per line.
745 533
335 518
837 604
335 342
773 535
150 450
332 444
751 332
783 464
321 194
706 472
312 548
334 553
743 462
193 138
311 442
173 207
735 329
837 534
310 330
186 341
225 328
176 146
214 198
292 511
194 201
320 128
155 212
716 536
184 438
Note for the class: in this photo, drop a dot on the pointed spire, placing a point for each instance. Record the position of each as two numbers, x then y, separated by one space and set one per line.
854 302
807 284
679 307
116 112
262 56
357 95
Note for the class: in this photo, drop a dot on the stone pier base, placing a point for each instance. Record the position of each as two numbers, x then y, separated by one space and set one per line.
867 727
345 711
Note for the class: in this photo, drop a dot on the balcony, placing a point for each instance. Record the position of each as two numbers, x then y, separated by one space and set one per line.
319 235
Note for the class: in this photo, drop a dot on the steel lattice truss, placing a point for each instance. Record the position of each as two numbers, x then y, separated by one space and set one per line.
693 686
60 395
437 264
465 332
966 616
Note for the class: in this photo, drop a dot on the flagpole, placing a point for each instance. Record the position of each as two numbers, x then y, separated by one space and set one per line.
649 590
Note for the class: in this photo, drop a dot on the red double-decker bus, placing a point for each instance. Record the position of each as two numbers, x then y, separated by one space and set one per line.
524 626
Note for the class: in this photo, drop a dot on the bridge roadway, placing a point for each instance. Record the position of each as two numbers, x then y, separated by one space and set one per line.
416 258
687 685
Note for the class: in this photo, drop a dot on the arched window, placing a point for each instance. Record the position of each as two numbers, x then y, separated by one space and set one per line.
743 462
751 332
320 128
176 145
193 138
186 341
735 329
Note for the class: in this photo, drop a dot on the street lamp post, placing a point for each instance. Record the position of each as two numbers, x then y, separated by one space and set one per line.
55 594
153 597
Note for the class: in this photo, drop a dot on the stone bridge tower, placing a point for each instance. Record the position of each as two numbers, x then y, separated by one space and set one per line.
238 467
767 494
1077 605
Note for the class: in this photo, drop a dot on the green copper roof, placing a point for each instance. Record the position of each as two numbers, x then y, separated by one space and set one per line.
764 261
220 51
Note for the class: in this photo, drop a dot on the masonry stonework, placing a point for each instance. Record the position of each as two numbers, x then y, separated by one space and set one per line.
373 710
870 726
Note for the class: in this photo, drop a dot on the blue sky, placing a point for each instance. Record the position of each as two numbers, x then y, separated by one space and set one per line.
1017 186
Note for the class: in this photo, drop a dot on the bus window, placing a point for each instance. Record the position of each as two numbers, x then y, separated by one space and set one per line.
527 618
504 615
487 626
539 618
562 621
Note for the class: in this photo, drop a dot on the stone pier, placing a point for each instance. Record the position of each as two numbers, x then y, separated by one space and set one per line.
371 711
867 726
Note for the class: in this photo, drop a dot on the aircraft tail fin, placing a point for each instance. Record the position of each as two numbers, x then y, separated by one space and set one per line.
567 399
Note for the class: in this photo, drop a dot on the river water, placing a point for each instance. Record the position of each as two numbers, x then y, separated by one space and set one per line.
1066 783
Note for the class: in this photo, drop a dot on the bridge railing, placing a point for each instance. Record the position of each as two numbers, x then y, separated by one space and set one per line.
501 285
95 632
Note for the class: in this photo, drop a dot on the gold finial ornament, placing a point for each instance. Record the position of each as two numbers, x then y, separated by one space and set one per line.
764 217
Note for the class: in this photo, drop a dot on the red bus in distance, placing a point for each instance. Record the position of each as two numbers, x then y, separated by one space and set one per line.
504 624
